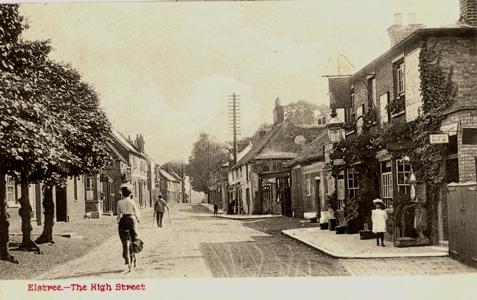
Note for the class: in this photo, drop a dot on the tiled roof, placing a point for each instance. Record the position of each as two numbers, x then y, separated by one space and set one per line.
313 151
125 143
116 153
279 142
167 175
175 175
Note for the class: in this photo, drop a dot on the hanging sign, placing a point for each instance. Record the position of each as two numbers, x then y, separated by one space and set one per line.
338 162
441 138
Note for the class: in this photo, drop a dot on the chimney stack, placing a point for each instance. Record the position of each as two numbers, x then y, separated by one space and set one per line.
140 143
398 32
468 12
261 133
278 112
398 19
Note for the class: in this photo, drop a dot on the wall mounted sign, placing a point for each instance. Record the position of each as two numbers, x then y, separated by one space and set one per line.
441 138
338 162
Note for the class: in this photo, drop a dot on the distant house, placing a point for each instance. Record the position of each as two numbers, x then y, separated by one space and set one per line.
259 181
170 186
69 200
309 181
131 166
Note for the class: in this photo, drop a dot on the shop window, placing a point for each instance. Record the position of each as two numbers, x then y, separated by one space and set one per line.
403 168
352 183
387 182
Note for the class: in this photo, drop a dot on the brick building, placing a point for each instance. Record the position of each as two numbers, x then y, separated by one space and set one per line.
394 77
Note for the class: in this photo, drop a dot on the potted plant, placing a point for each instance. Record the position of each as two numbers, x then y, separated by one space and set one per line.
353 219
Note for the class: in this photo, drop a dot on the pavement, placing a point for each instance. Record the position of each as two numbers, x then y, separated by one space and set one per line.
347 245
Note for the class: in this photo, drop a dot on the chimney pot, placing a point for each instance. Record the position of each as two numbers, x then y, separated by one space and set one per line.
398 19
411 18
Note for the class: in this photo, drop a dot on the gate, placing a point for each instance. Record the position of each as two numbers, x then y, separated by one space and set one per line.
462 218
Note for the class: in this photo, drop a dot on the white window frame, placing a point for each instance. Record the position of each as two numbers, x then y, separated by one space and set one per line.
402 177
352 181
387 185
89 188
400 78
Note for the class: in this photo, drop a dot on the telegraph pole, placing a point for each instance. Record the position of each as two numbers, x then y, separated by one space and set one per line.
234 120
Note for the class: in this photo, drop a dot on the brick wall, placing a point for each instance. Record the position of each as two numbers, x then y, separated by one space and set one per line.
468 10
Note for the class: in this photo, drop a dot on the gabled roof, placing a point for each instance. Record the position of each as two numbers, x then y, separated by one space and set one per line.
115 153
313 151
449 30
167 175
280 142
125 143
175 175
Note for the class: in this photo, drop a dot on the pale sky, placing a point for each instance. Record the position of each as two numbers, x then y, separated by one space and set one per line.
165 69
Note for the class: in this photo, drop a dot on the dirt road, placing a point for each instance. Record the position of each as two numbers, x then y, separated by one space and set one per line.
198 245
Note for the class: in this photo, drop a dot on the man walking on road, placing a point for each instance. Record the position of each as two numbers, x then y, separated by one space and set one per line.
159 209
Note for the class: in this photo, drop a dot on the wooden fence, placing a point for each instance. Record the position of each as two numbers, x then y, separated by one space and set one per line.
462 218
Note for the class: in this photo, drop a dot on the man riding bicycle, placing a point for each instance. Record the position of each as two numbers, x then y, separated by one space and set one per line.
128 214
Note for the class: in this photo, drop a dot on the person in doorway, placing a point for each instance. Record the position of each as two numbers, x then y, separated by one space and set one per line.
216 209
379 217
128 217
159 206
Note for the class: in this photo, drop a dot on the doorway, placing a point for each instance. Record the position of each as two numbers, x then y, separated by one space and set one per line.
61 205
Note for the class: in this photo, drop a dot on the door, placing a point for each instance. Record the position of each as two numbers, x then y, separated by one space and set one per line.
318 198
287 206
61 206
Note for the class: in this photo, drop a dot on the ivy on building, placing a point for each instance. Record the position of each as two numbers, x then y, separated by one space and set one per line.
438 93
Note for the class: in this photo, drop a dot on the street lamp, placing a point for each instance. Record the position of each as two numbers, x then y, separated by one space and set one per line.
335 128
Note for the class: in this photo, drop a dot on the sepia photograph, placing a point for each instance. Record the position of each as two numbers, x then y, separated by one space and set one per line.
238 149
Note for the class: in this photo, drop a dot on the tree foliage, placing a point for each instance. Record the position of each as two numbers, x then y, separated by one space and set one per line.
175 165
304 112
51 126
206 155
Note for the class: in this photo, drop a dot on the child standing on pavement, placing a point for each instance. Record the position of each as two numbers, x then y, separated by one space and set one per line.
379 217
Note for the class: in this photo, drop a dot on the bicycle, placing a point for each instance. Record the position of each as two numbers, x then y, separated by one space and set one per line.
130 255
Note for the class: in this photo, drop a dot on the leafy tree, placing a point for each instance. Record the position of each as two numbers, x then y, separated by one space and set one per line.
51 125
301 112
175 165
82 136
206 155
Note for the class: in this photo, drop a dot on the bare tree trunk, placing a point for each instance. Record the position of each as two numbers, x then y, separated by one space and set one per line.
49 206
25 213
4 219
